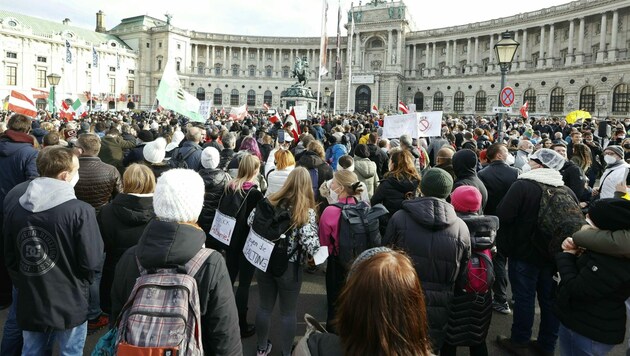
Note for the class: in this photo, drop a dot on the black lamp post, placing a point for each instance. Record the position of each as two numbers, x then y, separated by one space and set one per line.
504 50
53 80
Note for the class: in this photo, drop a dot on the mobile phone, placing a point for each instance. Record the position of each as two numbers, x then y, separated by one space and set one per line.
281 136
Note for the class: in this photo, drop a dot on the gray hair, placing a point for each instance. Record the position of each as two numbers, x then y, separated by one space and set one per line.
405 140
229 140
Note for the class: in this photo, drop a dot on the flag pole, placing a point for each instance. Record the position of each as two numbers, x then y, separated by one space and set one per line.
338 60
350 43
321 48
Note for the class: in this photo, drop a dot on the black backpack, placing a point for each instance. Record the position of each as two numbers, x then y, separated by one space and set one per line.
178 160
274 224
358 230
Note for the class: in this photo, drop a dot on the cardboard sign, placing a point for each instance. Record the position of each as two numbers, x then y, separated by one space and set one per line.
430 124
204 108
258 250
222 227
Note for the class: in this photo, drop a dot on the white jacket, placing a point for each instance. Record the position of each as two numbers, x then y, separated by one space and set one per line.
276 179
610 178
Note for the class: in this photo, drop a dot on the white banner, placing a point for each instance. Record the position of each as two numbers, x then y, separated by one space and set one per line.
300 112
257 250
422 124
363 79
222 227
204 108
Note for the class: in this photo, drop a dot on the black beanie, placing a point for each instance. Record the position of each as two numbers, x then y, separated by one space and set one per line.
362 151
610 214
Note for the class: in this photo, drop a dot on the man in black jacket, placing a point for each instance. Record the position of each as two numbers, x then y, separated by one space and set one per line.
378 156
53 248
497 177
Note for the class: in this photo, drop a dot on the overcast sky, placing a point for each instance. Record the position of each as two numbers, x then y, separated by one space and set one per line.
265 17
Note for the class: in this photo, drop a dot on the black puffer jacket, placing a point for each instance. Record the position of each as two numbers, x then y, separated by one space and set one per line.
438 242
121 223
215 181
226 156
465 167
98 182
166 244
392 192
497 177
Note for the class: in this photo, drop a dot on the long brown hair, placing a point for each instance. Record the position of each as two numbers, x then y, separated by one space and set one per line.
381 309
296 194
582 156
404 168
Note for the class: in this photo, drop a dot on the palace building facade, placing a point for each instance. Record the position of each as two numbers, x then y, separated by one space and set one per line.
571 56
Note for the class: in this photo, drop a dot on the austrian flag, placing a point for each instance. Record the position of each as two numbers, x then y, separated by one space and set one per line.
22 103
402 107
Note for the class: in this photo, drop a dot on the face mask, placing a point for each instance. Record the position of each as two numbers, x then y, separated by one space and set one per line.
526 168
509 160
74 180
610 159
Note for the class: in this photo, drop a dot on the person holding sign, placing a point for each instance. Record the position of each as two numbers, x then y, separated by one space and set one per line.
296 196
241 192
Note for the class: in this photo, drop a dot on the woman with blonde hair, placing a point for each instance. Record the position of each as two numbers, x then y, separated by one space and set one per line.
296 196
123 220
239 199
285 163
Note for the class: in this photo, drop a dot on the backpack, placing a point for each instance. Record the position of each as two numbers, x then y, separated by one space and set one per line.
178 160
274 224
480 269
162 315
314 173
559 216
358 229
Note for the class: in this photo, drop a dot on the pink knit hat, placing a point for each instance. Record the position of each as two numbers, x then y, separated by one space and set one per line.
466 199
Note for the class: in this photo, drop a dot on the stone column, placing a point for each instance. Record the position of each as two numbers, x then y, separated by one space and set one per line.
579 58
602 40
476 57
246 51
207 58
196 58
455 67
550 51
569 59
213 59
612 52
275 62
414 63
427 64
390 46
541 48
523 59
357 49
468 50
492 59
399 49
447 58
229 61
258 60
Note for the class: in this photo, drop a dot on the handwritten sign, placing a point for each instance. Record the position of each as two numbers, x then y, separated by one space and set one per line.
257 250
398 125
222 227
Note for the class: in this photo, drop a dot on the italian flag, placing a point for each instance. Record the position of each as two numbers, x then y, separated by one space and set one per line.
72 112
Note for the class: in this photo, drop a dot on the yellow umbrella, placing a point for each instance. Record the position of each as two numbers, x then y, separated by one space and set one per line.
573 116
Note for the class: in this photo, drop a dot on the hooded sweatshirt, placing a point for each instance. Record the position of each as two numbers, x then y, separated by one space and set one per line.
465 167
53 247
17 161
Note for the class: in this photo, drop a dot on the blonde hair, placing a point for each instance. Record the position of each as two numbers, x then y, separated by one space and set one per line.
138 179
297 195
316 146
349 181
247 172
284 159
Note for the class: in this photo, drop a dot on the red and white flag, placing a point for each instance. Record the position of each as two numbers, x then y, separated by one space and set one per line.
239 113
22 103
524 110
265 106
402 107
273 119
295 129
374 109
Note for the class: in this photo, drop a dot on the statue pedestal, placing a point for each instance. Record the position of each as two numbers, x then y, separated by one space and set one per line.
298 95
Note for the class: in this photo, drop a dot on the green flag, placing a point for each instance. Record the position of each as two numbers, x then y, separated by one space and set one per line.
51 100
173 97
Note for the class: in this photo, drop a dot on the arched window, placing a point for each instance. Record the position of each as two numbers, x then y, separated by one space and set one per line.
621 99
458 101
530 98
438 101
234 98
201 66
251 98
268 97
587 99
217 69
332 100
418 99
556 102
252 71
376 43
201 93
218 97
480 101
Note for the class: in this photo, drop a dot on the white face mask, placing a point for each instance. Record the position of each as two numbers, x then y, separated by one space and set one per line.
509 160
74 180
610 159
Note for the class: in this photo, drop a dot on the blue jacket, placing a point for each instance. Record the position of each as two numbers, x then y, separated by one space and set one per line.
17 161
194 160
333 153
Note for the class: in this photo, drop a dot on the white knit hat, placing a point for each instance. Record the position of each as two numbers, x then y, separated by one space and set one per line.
210 157
178 136
155 151
179 196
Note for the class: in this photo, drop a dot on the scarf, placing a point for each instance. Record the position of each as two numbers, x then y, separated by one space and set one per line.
545 176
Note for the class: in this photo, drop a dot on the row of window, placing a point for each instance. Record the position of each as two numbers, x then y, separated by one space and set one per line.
42 81
235 97
587 101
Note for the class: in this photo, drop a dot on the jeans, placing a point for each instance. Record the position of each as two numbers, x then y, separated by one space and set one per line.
574 344
499 288
287 288
237 265
12 335
529 281
94 303
71 341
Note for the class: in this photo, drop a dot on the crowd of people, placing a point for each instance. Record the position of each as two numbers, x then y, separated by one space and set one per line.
88 206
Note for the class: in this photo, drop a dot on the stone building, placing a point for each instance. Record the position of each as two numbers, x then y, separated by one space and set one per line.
571 56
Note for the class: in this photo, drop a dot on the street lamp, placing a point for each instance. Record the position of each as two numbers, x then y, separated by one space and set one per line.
53 80
504 50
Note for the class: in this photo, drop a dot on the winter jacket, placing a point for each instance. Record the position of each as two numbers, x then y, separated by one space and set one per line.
392 192
165 244
17 161
366 171
613 174
465 167
135 155
497 177
614 243
225 158
215 181
52 249
276 179
438 242
112 151
310 160
591 295
194 160
121 223
573 177
379 157
333 153
98 182
241 230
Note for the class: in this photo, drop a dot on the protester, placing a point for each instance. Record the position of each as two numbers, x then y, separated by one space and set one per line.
465 166
215 181
616 171
154 154
112 146
365 169
285 163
